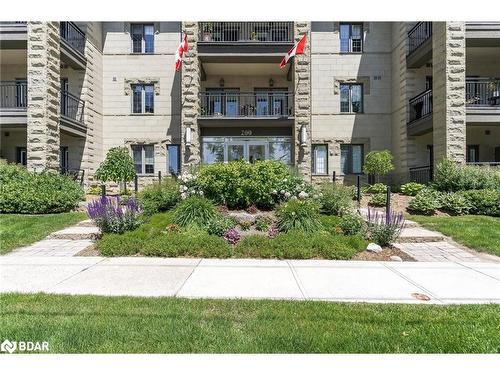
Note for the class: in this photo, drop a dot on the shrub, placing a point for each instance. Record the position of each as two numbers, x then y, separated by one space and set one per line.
384 230
336 199
483 202
298 214
378 163
159 197
94 190
117 167
220 225
36 193
240 184
451 176
351 224
378 200
111 217
411 188
377 188
426 202
455 203
195 211
262 223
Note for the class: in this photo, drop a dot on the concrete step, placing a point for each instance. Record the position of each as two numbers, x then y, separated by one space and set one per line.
86 223
418 234
76 233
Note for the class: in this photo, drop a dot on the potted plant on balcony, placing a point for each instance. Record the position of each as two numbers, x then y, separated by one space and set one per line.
493 92
208 31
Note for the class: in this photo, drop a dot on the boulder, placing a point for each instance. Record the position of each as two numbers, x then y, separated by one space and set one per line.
395 258
374 248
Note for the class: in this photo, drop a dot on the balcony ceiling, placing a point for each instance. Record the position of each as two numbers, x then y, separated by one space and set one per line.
244 69
13 56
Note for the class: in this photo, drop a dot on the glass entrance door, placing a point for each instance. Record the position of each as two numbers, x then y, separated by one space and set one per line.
236 151
257 151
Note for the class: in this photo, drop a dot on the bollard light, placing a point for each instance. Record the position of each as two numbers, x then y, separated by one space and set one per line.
188 137
303 136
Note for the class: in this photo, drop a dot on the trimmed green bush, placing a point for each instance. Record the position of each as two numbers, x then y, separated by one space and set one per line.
36 193
336 199
262 223
455 203
117 167
195 211
378 163
426 202
483 202
298 215
220 225
159 197
451 176
378 200
377 188
352 224
411 188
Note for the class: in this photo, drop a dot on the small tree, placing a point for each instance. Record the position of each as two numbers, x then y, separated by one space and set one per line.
117 167
378 163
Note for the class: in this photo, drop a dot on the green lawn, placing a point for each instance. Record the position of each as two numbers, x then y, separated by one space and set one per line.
22 230
87 324
481 233
152 239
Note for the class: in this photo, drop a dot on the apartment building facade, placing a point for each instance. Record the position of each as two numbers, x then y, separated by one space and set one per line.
424 90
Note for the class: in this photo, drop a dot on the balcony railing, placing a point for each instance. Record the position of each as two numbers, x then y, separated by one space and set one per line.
72 107
13 95
422 175
420 106
482 92
255 104
74 36
258 32
418 35
13 23
485 163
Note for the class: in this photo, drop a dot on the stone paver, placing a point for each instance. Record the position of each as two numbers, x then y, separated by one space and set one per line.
77 232
52 247
439 251
418 234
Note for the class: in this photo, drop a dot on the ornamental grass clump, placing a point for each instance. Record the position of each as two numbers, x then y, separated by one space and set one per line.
112 217
384 229
298 214
195 211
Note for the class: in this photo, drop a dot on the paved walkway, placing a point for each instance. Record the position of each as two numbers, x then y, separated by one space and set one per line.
354 281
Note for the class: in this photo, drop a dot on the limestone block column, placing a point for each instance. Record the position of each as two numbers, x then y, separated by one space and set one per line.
448 119
43 95
302 105
190 87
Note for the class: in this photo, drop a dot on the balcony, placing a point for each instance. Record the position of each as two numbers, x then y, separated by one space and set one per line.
72 113
483 100
419 45
72 45
13 34
13 102
482 34
420 121
244 38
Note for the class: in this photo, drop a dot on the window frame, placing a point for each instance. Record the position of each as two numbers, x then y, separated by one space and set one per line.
143 39
22 155
143 158
178 156
314 163
469 148
350 158
143 86
350 85
350 38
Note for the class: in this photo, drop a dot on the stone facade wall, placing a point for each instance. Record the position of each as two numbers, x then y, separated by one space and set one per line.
43 95
302 80
449 117
190 87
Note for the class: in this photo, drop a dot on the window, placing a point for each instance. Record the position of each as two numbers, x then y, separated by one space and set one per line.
351 37
143 39
174 159
21 156
144 160
351 98
143 98
320 159
351 159
472 154
63 158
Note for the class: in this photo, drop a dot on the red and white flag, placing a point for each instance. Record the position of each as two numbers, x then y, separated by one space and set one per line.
298 49
179 54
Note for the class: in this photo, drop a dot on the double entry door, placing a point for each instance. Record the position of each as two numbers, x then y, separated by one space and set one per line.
249 150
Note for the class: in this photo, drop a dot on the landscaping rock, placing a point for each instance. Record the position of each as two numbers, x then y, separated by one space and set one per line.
242 217
374 248
395 258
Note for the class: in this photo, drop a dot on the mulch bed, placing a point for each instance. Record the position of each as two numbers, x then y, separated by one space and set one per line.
384 255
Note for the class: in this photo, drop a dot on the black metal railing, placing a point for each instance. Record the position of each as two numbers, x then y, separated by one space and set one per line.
13 95
76 174
420 106
422 175
418 35
74 36
482 92
485 163
13 23
245 31
240 104
72 107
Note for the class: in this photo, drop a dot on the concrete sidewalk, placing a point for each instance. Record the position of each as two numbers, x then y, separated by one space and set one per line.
354 281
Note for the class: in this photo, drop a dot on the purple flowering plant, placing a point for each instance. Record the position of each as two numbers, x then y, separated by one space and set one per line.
232 236
112 217
384 229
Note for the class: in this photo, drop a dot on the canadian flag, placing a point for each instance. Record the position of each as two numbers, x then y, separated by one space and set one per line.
298 49
183 47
